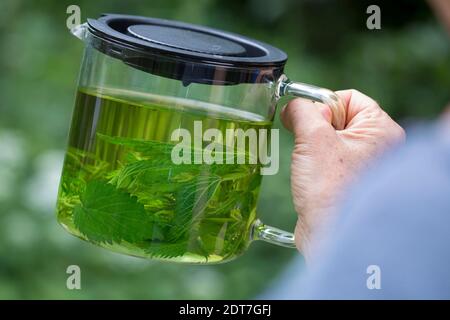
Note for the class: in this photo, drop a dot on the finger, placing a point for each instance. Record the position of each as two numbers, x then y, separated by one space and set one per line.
366 117
356 102
305 118
323 109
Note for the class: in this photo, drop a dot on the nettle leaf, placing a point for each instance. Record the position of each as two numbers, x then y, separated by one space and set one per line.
132 172
163 150
93 166
153 174
166 208
106 214
192 199
150 147
167 250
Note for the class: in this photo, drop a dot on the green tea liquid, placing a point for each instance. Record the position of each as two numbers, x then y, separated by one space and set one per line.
120 189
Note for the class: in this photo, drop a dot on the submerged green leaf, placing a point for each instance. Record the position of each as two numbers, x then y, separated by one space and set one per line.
163 208
167 250
163 150
144 146
106 214
192 199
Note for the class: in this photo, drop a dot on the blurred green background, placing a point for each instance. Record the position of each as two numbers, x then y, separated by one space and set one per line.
405 66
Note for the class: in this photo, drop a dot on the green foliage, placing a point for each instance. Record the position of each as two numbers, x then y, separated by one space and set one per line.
167 251
106 214
165 209
193 197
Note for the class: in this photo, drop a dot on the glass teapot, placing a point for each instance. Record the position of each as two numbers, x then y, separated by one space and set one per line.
153 167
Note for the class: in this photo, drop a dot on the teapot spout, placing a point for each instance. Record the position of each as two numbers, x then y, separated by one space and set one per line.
80 31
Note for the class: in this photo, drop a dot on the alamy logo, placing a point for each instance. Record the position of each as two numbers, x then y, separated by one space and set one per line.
374 279
74 280
374 20
74 18
236 146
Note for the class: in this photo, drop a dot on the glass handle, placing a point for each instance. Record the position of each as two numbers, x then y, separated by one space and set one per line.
272 235
325 96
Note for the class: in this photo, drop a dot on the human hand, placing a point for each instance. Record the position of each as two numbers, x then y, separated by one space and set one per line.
325 160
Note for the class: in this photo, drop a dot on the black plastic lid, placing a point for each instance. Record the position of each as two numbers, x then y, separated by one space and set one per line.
186 52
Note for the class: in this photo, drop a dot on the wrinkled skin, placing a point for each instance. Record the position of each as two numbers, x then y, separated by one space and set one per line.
325 160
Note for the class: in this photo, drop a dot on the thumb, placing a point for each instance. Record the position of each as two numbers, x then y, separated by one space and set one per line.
307 119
